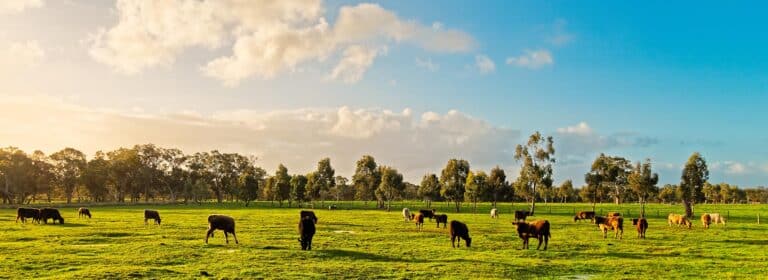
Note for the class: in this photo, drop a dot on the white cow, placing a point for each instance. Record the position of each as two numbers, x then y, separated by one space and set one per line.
494 213
406 214
717 218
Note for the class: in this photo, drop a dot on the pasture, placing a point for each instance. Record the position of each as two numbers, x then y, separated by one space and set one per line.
364 243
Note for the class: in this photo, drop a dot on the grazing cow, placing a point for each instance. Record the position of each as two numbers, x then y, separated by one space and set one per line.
407 214
614 214
51 213
221 222
520 215
717 218
536 229
615 223
642 225
459 231
494 213
151 215
307 213
442 218
584 215
418 218
428 213
82 212
706 220
678 220
25 213
332 207
306 232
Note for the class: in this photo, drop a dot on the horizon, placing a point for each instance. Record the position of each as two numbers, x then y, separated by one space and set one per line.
412 86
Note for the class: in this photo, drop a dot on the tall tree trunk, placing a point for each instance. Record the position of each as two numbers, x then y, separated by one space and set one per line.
458 206
688 209
533 200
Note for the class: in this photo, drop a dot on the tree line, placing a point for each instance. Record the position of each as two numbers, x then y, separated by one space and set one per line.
151 173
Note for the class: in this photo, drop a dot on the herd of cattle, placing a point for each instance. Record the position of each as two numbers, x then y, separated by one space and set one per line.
539 229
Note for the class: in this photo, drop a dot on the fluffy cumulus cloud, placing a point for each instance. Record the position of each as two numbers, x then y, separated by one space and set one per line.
414 143
484 65
532 59
267 38
579 143
427 64
17 6
20 56
355 62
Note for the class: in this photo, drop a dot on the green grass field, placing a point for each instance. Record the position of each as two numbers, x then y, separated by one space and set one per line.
368 244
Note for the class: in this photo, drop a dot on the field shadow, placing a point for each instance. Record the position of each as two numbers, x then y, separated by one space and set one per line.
336 253
71 225
742 241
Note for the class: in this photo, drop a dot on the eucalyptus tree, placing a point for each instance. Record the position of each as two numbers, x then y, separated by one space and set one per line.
453 179
366 179
611 173
298 189
497 185
536 157
68 165
429 189
565 191
391 185
695 175
476 186
96 177
123 171
282 184
643 182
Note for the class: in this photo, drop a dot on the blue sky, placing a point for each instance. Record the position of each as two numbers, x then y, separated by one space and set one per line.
658 80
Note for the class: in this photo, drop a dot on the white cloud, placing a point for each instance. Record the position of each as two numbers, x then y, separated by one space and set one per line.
427 64
18 6
20 56
269 37
735 168
356 60
579 143
581 128
415 143
484 64
532 59
561 36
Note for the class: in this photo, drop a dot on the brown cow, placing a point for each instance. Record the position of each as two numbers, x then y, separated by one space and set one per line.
25 213
221 222
614 214
307 213
706 220
678 220
459 231
442 218
584 215
83 212
306 232
642 225
418 218
536 229
151 215
520 215
428 213
615 223
51 213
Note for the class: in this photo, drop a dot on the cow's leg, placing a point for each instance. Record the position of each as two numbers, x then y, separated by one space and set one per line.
226 237
540 239
145 221
453 241
235 236
546 242
207 234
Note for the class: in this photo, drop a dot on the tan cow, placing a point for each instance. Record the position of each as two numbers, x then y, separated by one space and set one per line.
706 220
678 220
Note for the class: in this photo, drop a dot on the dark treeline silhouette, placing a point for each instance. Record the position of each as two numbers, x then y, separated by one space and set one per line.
150 173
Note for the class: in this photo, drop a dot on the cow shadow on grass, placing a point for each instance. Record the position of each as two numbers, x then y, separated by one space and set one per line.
742 241
346 254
